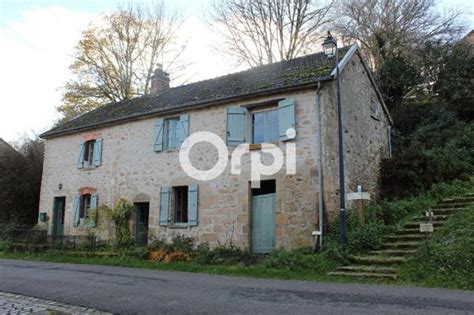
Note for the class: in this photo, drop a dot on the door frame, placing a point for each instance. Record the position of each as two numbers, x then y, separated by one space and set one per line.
55 216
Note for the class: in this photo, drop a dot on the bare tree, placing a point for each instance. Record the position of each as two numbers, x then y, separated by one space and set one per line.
258 32
115 58
388 28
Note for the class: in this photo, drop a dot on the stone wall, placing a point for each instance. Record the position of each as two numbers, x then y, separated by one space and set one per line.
365 127
130 168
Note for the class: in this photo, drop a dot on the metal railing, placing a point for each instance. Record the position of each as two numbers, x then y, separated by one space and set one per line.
62 242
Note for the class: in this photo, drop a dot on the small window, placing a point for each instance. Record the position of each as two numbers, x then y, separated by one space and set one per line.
171 133
84 206
89 153
180 195
265 126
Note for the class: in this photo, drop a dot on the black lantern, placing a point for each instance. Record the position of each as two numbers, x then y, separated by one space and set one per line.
330 46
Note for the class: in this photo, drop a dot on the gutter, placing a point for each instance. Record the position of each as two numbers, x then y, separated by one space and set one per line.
319 154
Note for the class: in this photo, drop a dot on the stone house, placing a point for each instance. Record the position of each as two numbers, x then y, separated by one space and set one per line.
131 149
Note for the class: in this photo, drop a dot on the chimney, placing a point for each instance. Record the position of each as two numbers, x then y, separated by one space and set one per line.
160 81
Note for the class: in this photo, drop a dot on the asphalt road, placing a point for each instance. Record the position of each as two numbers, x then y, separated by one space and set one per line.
128 290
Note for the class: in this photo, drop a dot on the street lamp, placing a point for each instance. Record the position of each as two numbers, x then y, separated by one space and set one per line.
330 49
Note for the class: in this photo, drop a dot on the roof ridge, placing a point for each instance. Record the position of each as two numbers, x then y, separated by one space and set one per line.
248 70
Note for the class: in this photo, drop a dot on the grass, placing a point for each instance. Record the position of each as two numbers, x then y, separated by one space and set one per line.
254 271
446 259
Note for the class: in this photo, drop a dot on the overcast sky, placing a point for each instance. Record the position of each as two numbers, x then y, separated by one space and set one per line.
37 38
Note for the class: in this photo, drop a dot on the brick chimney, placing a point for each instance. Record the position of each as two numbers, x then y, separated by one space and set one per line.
160 81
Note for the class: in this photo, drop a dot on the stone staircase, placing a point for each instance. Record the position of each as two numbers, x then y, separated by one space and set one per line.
402 244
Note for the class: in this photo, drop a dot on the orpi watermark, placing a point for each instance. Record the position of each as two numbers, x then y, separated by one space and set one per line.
257 167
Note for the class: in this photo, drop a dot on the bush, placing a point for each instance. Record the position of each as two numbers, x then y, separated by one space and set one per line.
134 252
225 255
440 149
360 238
447 259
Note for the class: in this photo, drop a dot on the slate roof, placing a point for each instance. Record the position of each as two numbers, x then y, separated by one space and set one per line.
264 79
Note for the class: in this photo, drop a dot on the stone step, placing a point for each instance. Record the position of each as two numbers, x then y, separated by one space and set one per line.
394 252
457 200
404 237
415 225
408 231
399 245
436 217
450 206
367 269
446 211
381 276
378 260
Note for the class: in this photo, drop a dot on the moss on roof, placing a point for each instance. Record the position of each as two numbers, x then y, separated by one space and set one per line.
268 78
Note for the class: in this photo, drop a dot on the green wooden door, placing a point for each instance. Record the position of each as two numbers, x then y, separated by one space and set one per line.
141 223
58 216
263 223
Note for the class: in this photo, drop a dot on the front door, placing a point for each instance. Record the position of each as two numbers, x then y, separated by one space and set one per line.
58 216
141 224
263 223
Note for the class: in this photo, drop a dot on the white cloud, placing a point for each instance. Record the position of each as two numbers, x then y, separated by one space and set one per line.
34 59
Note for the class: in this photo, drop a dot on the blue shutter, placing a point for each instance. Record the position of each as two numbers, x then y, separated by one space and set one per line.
236 125
159 135
184 128
94 204
98 152
286 115
75 210
80 157
193 204
164 205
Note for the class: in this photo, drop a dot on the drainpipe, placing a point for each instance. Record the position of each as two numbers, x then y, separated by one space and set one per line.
319 153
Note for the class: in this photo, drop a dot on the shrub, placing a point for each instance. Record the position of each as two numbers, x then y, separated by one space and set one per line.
134 252
302 259
221 255
120 214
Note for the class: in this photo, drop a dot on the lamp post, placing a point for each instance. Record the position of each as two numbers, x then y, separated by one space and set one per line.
330 49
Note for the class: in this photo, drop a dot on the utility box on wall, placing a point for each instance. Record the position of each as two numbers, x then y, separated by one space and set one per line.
42 217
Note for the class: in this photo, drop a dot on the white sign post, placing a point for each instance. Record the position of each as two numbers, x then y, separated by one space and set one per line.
359 196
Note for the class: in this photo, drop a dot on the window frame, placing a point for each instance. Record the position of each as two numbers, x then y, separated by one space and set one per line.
180 205
85 204
166 130
265 112
89 151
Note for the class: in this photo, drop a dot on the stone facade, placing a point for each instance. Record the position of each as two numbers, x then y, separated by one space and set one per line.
132 169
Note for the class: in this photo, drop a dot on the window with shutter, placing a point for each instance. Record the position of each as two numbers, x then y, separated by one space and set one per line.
184 125
158 145
80 158
286 115
164 205
97 157
75 210
193 202
236 121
